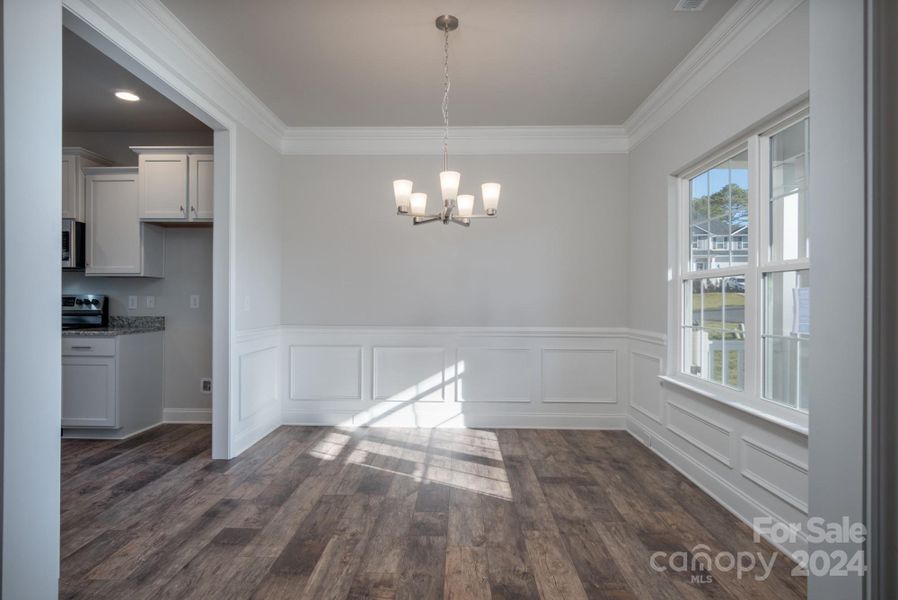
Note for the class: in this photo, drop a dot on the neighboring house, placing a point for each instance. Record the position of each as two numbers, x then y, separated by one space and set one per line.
715 246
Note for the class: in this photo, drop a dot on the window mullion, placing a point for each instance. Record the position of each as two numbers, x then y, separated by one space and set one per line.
787 265
752 283
710 273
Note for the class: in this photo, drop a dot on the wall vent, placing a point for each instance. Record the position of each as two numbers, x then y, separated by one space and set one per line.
690 5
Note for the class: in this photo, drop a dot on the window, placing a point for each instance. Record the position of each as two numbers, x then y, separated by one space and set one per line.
713 328
785 273
744 273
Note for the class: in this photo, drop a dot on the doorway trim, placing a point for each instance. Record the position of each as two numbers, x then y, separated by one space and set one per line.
145 38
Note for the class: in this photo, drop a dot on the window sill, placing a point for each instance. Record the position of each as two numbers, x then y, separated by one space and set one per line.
785 424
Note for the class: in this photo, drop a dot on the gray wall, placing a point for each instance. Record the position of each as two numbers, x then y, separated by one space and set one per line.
2 293
32 85
114 145
256 247
767 77
837 369
556 256
188 331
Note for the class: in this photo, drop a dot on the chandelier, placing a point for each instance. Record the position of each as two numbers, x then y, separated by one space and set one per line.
457 208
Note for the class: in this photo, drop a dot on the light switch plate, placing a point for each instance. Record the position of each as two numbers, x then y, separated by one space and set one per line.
151 301
132 302
195 301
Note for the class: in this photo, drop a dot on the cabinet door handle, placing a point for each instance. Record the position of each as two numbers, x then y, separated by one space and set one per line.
82 347
182 208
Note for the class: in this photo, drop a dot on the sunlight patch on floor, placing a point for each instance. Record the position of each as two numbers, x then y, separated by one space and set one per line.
445 467
330 447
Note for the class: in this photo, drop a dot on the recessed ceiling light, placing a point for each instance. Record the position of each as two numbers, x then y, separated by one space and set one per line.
127 96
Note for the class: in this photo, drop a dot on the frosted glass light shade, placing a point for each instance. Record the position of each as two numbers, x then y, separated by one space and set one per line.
465 203
449 183
490 196
402 188
418 202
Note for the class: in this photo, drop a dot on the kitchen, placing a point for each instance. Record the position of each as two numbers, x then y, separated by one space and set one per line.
136 253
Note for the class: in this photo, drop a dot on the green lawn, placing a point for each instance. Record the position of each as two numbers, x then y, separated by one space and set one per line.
714 300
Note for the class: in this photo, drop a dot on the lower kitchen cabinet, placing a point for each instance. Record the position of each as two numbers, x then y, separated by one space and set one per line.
111 386
88 392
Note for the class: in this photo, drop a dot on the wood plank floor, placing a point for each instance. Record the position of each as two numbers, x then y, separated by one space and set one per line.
329 513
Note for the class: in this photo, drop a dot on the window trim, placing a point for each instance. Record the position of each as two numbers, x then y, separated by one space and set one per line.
750 398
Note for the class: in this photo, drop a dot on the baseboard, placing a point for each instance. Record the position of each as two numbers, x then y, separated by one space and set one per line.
245 439
456 421
723 492
86 433
187 415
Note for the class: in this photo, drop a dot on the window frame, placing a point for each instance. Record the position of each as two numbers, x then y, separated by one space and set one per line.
751 397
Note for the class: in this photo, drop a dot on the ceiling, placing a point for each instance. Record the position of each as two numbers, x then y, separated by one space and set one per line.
89 80
513 62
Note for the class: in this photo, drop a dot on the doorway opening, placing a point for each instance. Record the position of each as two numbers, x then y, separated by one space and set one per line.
146 199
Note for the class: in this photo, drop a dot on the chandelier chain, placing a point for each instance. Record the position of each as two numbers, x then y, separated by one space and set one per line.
446 85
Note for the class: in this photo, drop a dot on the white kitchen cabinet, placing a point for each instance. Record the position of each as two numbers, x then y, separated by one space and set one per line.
199 186
118 243
74 160
88 390
111 385
175 183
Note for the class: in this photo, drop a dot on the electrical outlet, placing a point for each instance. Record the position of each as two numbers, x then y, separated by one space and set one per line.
206 385
151 301
195 301
132 302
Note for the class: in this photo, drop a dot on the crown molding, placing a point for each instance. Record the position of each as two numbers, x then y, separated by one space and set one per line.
148 32
155 38
739 29
247 108
463 140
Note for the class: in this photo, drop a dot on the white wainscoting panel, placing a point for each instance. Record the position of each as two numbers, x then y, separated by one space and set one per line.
493 374
409 374
717 446
711 438
579 375
645 391
455 377
256 372
258 381
779 474
325 372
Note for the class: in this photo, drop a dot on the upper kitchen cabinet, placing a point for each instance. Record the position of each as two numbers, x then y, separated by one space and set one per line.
199 186
75 159
175 183
118 243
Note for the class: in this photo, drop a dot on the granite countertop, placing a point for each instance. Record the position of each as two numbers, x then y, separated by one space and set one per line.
120 326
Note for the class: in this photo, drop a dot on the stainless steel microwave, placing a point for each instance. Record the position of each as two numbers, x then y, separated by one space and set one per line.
73 240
